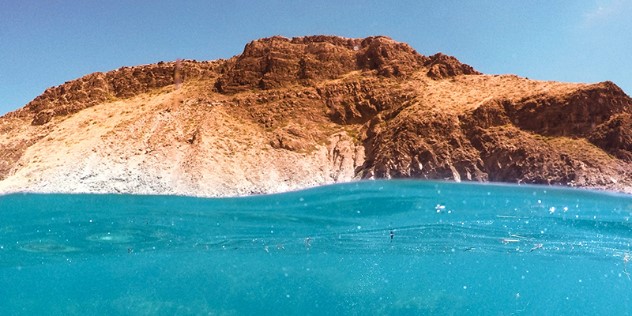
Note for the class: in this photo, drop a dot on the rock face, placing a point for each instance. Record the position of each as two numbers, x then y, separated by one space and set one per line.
293 113
124 82
280 62
442 66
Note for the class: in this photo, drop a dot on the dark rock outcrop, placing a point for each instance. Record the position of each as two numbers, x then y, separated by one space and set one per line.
278 61
615 136
444 66
569 115
356 102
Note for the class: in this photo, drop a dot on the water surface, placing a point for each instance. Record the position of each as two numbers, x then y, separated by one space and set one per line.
368 248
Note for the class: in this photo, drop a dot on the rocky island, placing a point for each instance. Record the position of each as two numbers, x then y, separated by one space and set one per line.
293 113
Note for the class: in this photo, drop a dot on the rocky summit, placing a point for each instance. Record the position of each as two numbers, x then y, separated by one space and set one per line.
293 113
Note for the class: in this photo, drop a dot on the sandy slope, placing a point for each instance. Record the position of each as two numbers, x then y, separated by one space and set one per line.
145 145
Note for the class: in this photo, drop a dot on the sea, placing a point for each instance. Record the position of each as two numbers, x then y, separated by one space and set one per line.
366 248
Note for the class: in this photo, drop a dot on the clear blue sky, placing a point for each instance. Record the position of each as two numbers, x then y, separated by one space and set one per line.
47 42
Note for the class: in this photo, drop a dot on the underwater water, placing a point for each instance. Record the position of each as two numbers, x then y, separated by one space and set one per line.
366 248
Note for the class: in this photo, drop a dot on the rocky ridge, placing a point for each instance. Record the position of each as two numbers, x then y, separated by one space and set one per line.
293 113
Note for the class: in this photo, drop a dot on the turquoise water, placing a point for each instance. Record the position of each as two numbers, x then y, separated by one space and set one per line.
368 248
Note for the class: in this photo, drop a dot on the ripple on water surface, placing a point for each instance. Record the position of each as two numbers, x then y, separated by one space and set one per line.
44 246
113 237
